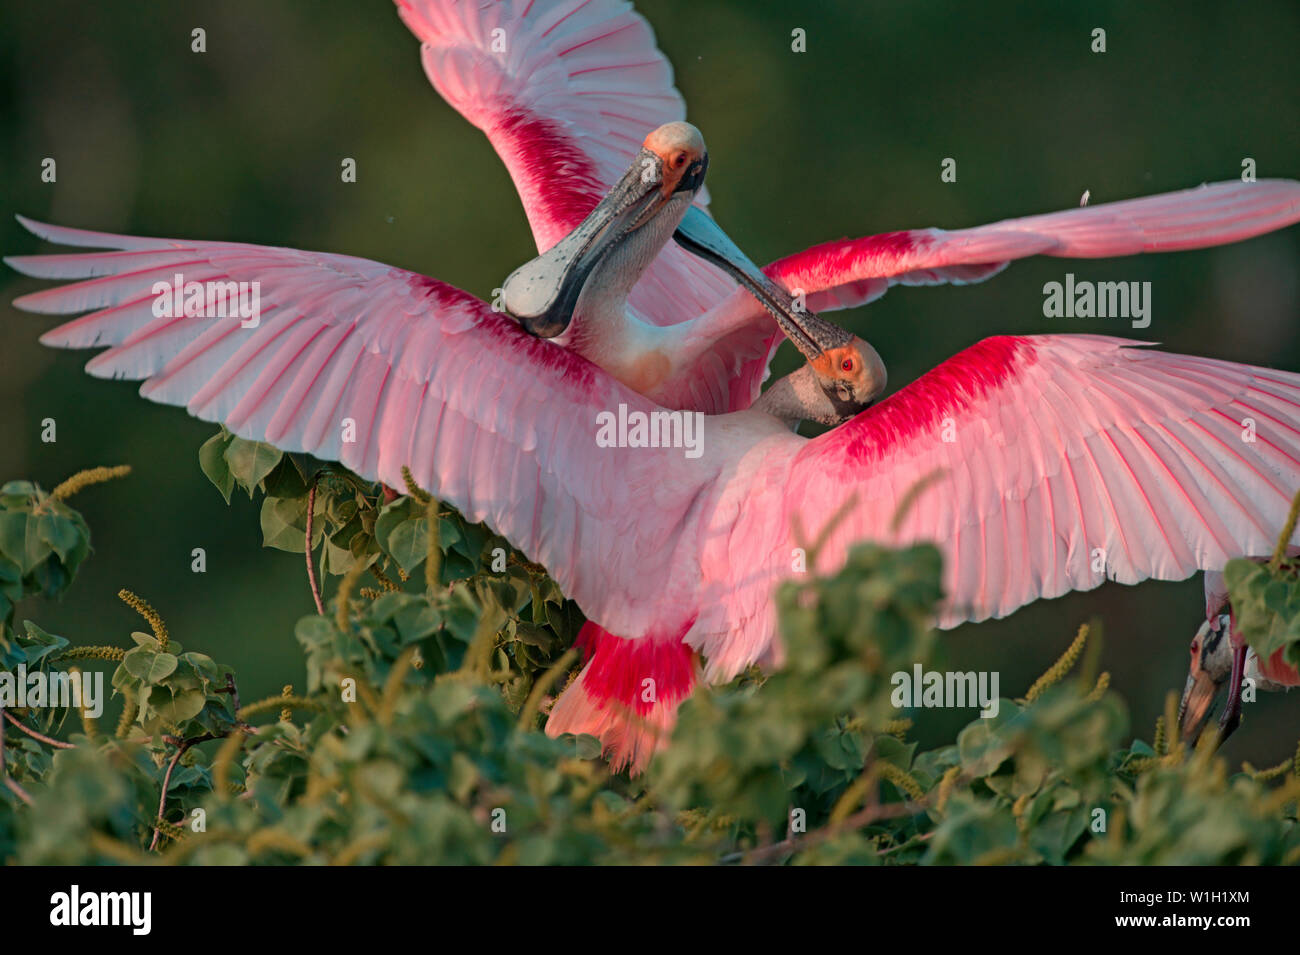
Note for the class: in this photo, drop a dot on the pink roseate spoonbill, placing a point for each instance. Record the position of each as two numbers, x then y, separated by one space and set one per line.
565 91
1220 656
1049 451
554 296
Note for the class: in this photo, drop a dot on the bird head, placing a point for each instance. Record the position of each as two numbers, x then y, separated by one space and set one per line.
612 247
849 371
674 156
1209 670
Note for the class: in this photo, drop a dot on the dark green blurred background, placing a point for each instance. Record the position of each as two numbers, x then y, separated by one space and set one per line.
244 143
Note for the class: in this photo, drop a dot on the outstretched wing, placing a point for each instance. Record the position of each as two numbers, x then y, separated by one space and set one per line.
852 272
566 91
1055 463
354 361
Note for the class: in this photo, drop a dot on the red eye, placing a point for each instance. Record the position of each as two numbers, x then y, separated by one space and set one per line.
847 364
679 160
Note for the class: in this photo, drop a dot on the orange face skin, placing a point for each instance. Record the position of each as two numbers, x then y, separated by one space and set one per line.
678 146
845 363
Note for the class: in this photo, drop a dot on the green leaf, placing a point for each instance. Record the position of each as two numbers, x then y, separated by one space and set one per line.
18 494
147 640
212 459
286 479
20 542
61 533
251 461
149 667
176 707
45 643
402 532
203 664
284 524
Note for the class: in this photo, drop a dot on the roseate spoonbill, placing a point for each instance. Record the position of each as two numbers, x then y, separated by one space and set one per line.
555 295
652 544
1217 661
1049 451
566 91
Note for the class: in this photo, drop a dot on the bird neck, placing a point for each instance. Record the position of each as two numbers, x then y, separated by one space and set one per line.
603 300
799 397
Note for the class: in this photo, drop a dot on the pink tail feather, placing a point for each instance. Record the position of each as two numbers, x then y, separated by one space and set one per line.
627 695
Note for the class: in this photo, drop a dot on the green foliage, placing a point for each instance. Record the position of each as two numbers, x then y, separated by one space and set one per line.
42 543
415 738
1266 599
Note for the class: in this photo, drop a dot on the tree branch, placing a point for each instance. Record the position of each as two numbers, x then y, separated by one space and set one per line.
11 784
57 744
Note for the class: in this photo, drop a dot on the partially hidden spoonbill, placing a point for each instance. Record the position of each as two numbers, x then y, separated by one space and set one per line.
1219 658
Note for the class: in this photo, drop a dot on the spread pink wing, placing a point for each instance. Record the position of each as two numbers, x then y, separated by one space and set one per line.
852 272
500 424
1058 462
566 92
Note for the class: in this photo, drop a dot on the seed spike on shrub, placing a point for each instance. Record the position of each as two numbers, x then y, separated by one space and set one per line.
344 598
1060 668
1018 807
1281 797
946 786
393 685
544 683
902 780
279 701
88 722
1158 740
84 479
129 711
413 489
92 653
1263 775
1279 552
286 714
143 608
384 580
221 762
1098 691
170 830
1173 744
852 795
896 728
